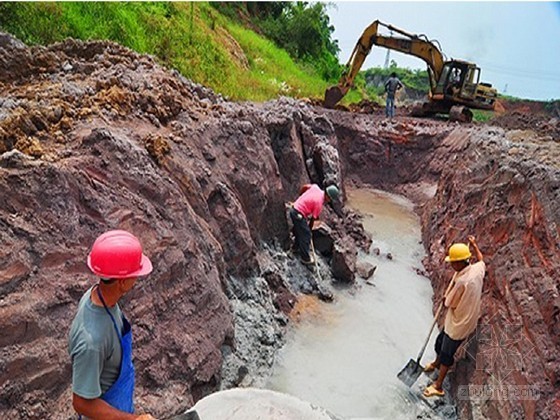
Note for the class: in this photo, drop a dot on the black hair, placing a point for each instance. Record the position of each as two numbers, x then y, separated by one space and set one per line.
393 74
108 281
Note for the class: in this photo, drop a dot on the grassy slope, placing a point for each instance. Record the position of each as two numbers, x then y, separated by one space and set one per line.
194 38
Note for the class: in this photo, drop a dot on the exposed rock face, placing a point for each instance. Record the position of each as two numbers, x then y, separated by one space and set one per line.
504 188
96 137
511 203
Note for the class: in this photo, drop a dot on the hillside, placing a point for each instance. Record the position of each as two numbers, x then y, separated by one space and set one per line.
195 38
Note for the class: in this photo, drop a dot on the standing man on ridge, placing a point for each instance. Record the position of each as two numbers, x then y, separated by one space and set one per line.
462 298
100 339
391 86
305 210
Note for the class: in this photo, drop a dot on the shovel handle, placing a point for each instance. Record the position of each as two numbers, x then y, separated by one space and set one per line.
430 333
315 258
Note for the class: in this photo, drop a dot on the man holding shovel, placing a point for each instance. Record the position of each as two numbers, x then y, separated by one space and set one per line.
462 300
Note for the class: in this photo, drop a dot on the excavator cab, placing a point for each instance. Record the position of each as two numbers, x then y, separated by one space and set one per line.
458 89
450 83
458 82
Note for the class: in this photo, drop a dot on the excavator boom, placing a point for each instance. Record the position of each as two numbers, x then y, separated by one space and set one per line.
452 83
407 43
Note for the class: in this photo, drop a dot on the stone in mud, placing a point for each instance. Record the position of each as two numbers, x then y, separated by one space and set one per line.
343 262
323 239
365 269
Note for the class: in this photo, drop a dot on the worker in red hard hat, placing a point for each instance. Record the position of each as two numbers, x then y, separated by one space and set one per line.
100 339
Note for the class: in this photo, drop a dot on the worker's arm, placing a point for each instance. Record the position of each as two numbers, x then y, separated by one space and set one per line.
454 297
98 409
477 252
311 222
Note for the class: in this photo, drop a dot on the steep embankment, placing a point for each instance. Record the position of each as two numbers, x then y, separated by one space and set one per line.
95 137
505 189
503 186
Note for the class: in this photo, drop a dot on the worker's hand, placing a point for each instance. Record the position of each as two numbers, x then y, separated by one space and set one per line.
145 417
471 240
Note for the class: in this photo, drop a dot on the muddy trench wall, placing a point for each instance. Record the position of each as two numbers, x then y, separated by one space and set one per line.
503 187
95 137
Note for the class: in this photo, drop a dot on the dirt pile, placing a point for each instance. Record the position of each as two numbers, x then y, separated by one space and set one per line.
94 137
539 117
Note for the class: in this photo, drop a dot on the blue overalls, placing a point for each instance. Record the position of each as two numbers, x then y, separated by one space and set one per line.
120 394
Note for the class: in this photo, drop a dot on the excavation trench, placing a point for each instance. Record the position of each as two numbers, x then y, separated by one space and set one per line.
120 142
344 356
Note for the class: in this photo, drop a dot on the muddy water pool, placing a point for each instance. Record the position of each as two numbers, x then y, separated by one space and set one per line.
345 356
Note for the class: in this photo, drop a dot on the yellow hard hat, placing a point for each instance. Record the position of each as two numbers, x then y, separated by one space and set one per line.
458 252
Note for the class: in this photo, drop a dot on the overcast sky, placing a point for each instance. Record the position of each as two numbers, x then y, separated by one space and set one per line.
516 44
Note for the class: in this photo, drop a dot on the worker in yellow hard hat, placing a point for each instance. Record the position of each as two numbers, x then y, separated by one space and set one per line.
462 300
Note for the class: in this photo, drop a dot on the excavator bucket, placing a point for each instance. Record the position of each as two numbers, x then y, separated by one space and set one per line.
332 96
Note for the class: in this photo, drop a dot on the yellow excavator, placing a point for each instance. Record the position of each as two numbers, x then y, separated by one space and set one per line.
454 84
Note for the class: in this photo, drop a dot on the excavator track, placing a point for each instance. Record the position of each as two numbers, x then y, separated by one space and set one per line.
460 113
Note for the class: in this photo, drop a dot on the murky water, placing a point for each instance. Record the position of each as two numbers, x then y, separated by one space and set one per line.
345 357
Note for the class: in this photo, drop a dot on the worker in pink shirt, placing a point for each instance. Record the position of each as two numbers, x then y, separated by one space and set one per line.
305 210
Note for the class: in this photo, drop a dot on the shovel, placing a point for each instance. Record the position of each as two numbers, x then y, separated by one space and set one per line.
315 258
410 373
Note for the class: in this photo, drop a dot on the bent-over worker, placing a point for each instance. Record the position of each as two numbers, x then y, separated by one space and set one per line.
462 300
305 210
100 339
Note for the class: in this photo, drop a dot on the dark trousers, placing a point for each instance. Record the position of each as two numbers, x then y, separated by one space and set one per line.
302 233
390 106
446 348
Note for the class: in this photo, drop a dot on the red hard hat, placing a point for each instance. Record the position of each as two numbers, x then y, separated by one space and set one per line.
117 254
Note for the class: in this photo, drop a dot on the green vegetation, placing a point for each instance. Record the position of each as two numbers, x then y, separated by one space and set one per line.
480 115
205 45
416 80
553 106
300 28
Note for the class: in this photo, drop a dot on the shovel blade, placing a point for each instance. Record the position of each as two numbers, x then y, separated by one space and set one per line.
410 373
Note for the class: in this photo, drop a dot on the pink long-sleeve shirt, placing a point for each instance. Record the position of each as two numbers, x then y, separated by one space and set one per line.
310 203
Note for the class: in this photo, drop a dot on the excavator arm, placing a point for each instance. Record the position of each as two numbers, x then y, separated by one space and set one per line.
416 45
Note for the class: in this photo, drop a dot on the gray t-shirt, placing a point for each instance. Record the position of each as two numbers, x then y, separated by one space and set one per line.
94 346
391 85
